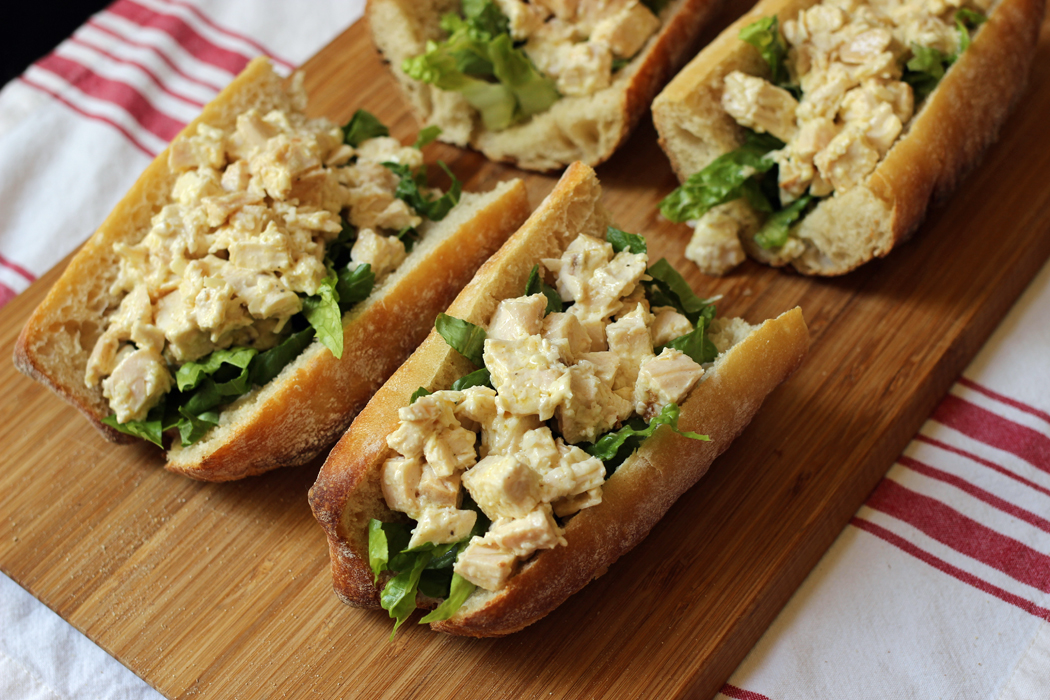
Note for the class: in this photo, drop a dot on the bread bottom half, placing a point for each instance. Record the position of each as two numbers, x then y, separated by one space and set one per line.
946 138
347 493
311 402
579 128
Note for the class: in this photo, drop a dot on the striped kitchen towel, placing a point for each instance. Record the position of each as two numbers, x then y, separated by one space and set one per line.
76 129
940 585
80 124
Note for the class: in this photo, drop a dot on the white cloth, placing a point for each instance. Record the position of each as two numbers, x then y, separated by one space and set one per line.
940 585
77 128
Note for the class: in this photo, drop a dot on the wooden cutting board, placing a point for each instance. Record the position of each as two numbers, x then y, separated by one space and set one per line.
223 590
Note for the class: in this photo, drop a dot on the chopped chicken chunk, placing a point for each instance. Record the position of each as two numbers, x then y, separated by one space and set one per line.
664 380
527 374
384 253
137 383
442 525
576 473
668 324
503 486
523 536
626 31
485 564
758 104
567 335
399 479
518 318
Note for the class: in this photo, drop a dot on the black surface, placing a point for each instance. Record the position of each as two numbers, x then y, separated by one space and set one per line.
30 29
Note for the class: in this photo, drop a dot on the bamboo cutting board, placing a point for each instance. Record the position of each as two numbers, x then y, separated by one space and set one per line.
223 590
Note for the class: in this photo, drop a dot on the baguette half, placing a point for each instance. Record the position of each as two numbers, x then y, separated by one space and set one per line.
940 144
348 494
579 128
312 401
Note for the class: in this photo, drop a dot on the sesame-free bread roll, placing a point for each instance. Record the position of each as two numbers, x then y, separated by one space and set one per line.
314 398
943 141
587 128
348 492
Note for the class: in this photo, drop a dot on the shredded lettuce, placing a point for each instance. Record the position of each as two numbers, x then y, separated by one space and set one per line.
151 428
410 189
728 177
322 312
191 373
427 136
621 240
765 36
614 447
925 69
695 344
669 288
363 126
775 231
462 336
479 377
426 568
536 285
479 60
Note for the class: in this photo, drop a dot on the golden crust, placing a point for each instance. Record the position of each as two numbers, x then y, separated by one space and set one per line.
347 492
313 400
583 128
946 139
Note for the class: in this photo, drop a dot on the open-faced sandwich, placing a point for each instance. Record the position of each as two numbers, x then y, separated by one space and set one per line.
572 392
541 83
817 133
262 278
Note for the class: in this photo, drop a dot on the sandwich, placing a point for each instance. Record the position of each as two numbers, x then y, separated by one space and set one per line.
265 274
817 133
538 83
571 393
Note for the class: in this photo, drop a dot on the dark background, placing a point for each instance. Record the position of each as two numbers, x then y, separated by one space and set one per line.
31 28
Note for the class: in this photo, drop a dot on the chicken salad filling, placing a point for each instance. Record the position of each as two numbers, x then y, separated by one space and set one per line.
846 78
573 378
272 231
511 59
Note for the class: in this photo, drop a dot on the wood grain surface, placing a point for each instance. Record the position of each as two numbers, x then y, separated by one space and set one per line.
223 590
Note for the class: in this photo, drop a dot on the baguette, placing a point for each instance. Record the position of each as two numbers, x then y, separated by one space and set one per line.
313 399
587 128
943 141
348 492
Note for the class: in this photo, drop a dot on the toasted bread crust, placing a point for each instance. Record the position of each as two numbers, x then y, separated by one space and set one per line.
313 400
941 144
347 493
581 128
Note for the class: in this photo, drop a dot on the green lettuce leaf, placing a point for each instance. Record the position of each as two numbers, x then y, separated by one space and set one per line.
608 446
193 426
354 285
669 288
268 364
695 344
479 60
479 377
410 190
322 312
151 429
399 595
363 126
775 231
765 36
536 285
924 69
419 393
462 336
621 240
192 373
724 180
427 136
459 590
